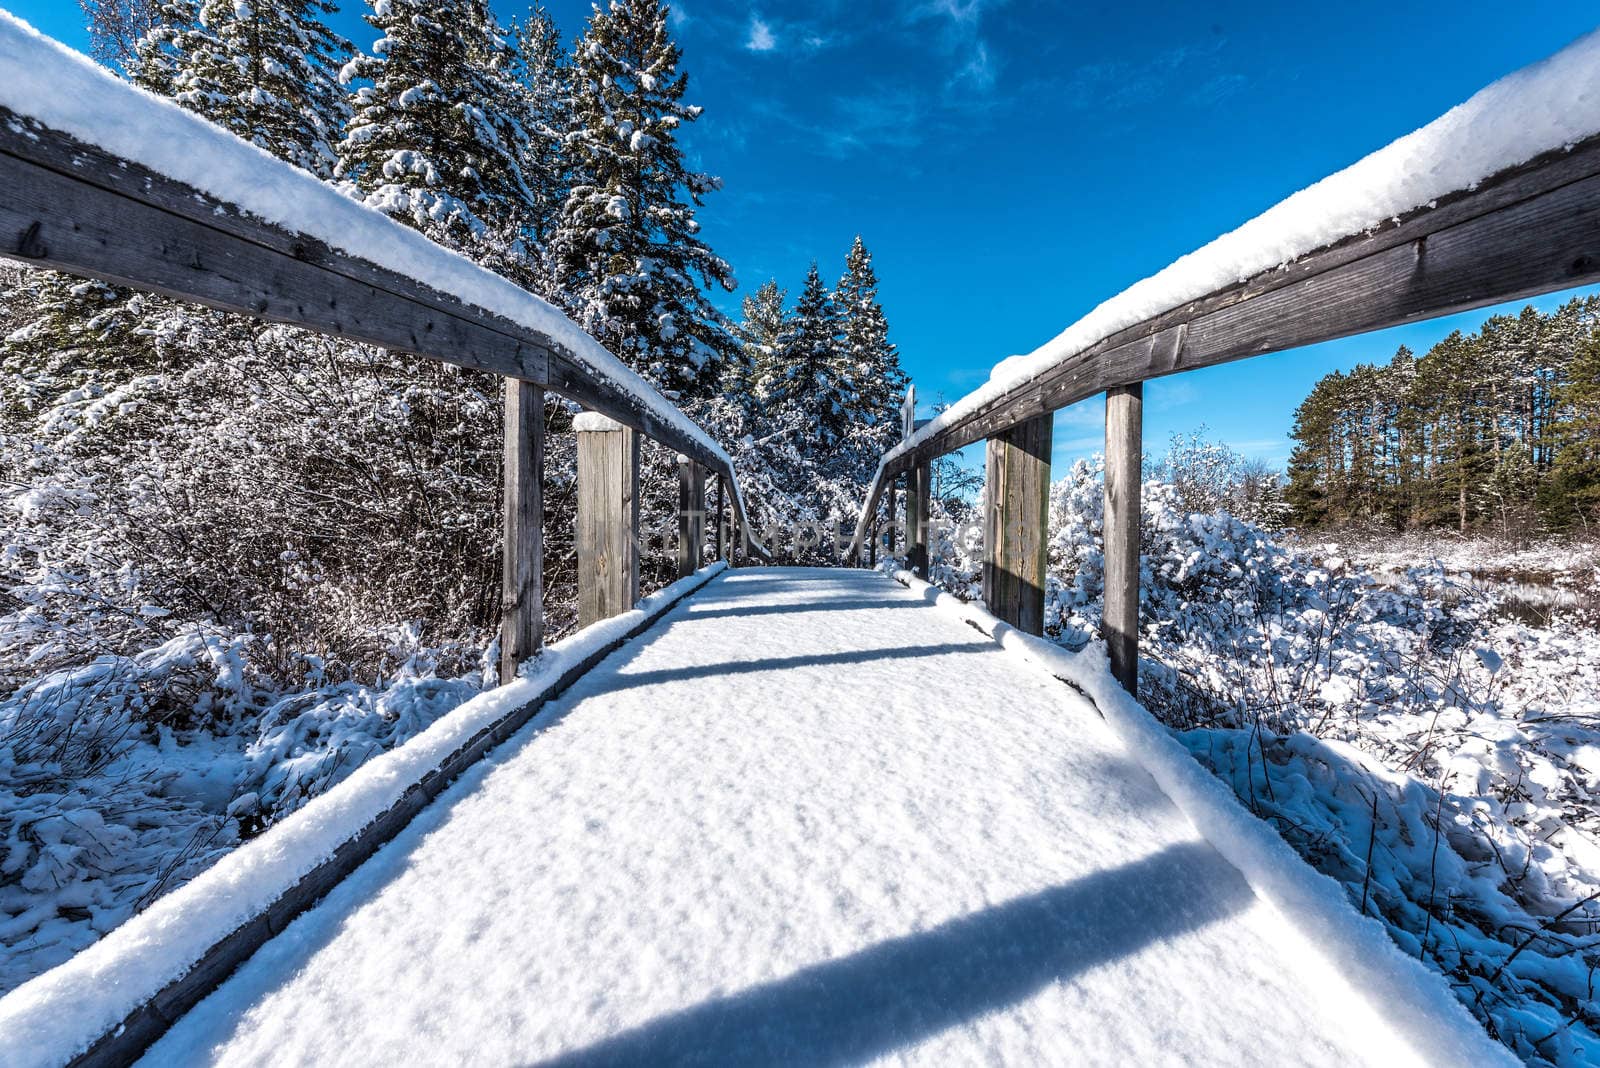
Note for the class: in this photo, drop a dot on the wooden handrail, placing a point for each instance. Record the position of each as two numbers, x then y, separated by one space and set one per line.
1530 229
69 205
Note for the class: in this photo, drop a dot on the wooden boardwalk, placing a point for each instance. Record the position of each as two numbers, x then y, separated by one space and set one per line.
806 818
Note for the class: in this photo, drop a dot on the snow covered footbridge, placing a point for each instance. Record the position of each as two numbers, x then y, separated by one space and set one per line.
772 815
808 817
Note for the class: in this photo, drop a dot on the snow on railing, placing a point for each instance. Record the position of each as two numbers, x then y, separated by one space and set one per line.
1490 202
105 179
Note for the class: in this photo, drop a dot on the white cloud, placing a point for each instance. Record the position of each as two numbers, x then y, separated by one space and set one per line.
761 37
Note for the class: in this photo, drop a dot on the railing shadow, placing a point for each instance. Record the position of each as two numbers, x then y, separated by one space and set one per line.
902 991
831 604
623 680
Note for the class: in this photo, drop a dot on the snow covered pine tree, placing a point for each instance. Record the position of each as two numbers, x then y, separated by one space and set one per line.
634 268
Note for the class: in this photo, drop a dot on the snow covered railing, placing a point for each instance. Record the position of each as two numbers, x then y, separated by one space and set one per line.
1496 200
100 178
108 1003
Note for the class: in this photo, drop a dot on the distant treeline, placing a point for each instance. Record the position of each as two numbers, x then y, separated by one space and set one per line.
1499 429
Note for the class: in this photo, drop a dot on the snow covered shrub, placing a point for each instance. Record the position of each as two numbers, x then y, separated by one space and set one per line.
1409 737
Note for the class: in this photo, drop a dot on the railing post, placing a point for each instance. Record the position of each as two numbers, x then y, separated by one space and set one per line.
608 517
522 535
919 490
1015 523
894 512
691 516
720 535
1124 453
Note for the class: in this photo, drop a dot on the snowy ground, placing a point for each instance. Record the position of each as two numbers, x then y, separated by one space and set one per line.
810 820
1405 712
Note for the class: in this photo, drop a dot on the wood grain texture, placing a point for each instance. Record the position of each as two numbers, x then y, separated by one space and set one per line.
70 206
608 523
1124 453
1016 522
1531 229
919 492
691 517
522 528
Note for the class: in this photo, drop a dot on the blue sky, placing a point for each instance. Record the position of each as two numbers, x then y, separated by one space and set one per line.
1012 164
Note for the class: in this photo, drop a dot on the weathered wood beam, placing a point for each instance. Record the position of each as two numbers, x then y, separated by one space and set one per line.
919 493
691 517
721 536
894 512
1016 523
608 518
1124 453
1531 229
522 534
70 206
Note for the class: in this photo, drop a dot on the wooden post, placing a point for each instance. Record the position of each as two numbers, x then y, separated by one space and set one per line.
1124 453
720 534
691 516
608 518
894 513
1015 523
522 516
919 489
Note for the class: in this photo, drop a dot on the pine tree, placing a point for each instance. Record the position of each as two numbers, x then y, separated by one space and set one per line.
750 374
544 78
1571 498
266 71
633 265
869 363
806 378
435 140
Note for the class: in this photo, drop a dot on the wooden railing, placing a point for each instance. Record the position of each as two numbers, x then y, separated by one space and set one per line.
71 206
1527 230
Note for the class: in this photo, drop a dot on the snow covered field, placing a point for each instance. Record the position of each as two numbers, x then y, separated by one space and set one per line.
812 819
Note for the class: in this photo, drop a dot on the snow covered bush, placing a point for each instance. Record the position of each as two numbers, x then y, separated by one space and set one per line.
1412 738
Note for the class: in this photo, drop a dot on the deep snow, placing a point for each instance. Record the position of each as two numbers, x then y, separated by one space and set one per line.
54 1016
811 820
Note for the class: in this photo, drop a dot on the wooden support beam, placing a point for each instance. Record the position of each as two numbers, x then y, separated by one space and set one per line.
721 535
608 518
691 516
919 492
1533 228
522 519
1015 523
894 514
1124 455
87 212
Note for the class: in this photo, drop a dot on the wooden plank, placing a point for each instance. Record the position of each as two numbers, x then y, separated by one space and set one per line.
1015 523
894 514
135 1033
70 206
1532 229
691 517
1124 453
608 522
919 491
721 536
522 534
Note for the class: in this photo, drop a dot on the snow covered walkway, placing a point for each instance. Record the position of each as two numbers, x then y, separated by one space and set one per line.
807 819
